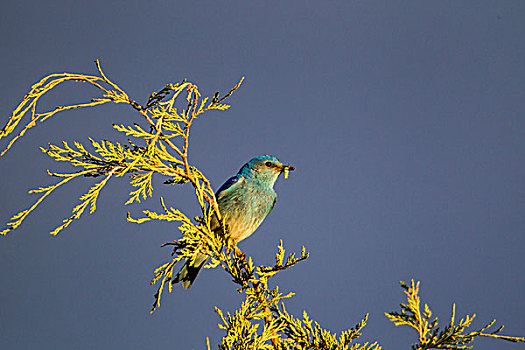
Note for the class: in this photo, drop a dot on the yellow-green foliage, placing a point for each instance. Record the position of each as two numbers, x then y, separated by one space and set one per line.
158 145
430 335
157 155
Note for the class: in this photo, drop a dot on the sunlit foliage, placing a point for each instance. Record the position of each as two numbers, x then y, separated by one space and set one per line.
158 144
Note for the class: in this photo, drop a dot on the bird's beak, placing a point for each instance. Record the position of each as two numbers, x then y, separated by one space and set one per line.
287 169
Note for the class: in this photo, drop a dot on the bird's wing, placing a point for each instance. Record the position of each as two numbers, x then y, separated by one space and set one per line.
232 182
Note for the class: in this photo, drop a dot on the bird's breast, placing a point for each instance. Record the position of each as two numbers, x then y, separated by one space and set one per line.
245 209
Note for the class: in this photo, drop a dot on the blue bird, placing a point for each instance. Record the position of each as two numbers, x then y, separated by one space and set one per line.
244 200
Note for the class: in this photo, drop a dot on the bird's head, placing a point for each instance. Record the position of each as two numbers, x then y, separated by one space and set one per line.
265 168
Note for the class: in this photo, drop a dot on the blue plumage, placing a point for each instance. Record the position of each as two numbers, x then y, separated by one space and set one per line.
244 200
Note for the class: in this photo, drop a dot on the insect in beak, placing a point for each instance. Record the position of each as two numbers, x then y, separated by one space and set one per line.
287 169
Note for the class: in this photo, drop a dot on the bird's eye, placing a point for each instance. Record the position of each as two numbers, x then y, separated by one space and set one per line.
268 164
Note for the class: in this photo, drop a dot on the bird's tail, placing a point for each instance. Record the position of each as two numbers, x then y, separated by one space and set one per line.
190 270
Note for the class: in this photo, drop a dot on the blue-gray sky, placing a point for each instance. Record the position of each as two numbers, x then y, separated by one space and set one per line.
405 120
